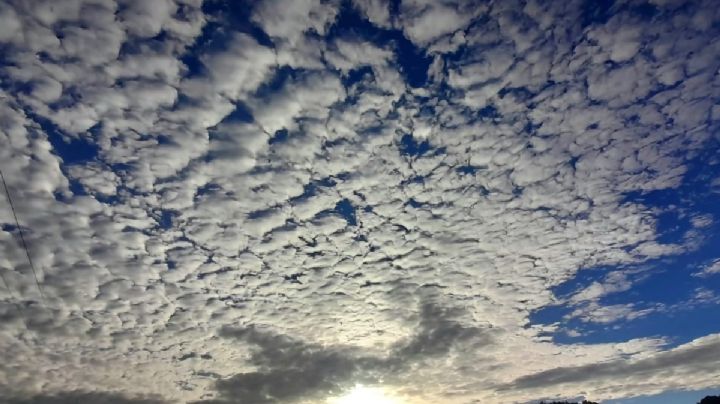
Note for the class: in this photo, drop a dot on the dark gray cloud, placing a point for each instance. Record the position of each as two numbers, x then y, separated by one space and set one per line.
702 357
438 332
289 369
81 397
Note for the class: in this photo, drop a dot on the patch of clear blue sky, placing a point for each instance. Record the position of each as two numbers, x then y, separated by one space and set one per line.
672 397
669 280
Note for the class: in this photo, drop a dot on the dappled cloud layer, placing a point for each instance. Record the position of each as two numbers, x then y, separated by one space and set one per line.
277 201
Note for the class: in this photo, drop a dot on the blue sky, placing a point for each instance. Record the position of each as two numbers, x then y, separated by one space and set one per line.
676 397
317 201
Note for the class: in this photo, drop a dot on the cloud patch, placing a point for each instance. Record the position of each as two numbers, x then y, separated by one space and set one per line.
290 370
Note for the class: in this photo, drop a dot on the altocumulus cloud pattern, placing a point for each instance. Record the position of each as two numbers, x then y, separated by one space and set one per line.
300 201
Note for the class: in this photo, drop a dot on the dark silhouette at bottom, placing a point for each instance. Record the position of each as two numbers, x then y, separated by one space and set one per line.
568 402
706 400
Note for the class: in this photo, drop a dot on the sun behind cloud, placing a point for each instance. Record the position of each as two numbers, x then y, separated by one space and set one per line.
365 395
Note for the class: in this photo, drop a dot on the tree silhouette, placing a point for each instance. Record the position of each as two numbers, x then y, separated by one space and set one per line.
584 402
706 400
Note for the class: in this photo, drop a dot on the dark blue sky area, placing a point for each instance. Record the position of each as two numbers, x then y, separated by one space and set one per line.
670 281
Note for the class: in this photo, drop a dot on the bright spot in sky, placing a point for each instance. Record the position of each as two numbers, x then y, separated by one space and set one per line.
365 395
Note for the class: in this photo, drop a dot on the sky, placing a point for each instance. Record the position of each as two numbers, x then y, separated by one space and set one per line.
359 201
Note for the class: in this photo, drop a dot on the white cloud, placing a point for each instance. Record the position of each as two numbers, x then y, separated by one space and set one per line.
146 19
425 21
709 269
376 11
309 96
702 221
640 374
230 70
288 22
610 313
95 178
9 22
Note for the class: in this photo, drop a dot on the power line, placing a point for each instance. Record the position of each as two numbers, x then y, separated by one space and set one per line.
22 238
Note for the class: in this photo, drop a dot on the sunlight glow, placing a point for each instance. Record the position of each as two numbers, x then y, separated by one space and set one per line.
365 395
